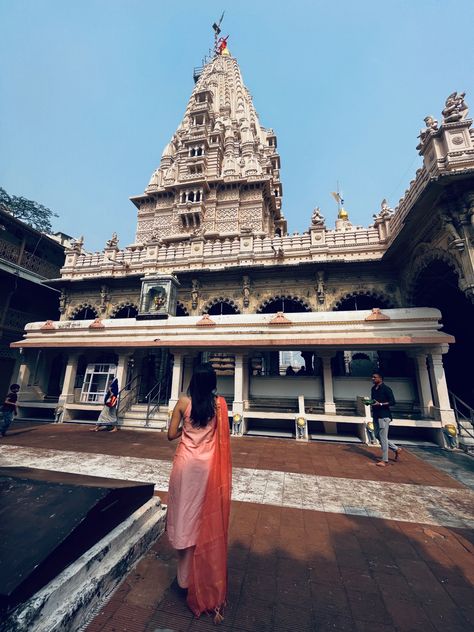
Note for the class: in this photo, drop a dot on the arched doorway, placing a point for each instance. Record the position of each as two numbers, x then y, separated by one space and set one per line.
437 286
222 307
361 301
85 312
287 304
125 311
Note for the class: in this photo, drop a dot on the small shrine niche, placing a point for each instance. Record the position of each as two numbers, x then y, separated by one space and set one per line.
158 297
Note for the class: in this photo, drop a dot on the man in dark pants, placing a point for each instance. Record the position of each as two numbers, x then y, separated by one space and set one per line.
382 398
9 408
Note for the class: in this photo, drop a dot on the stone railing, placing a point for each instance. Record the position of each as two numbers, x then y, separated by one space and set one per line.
222 251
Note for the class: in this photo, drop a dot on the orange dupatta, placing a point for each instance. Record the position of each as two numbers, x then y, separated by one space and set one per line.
207 589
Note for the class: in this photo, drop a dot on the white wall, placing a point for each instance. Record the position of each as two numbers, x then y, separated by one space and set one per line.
286 386
350 387
344 387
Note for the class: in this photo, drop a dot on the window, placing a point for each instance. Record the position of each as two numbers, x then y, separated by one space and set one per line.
95 383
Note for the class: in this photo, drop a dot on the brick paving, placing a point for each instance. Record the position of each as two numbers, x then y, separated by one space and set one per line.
296 569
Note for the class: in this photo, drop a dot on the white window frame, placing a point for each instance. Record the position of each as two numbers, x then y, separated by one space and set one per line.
108 370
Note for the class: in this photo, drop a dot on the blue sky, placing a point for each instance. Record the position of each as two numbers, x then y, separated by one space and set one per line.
92 91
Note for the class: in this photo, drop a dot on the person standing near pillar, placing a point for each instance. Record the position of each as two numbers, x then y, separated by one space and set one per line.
9 408
382 399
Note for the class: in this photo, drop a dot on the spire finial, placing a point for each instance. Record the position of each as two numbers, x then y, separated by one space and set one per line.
220 43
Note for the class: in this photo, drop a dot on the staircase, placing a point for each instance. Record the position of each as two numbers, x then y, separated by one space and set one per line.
136 417
465 422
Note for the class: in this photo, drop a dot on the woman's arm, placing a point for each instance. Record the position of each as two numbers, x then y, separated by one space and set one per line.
178 413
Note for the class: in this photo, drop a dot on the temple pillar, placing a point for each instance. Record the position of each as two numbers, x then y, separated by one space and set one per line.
188 370
438 383
238 403
246 381
176 379
330 427
67 393
121 369
423 383
24 374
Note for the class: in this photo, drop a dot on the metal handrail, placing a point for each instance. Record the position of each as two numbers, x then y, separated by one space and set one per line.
153 397
125 399
468 415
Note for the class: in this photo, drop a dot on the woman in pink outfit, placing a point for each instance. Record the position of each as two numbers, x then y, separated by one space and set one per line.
199 493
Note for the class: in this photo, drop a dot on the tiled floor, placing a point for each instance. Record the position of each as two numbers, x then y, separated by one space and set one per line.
304 553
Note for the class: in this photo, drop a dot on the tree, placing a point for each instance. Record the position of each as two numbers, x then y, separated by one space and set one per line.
28 211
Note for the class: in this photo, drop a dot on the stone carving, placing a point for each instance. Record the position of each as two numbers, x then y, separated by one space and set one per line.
385 211
455 108
431 126
246 290
113 241
317 219
320 288
63 301
448 223
104 297
195 286
77 245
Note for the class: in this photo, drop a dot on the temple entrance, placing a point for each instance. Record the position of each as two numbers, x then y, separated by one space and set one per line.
437 286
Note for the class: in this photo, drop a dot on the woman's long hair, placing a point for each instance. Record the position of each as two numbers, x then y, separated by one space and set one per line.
202 390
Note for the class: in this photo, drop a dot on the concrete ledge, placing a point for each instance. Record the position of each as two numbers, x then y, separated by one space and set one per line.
70 600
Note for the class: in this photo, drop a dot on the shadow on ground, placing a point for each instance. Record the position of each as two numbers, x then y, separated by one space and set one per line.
306 571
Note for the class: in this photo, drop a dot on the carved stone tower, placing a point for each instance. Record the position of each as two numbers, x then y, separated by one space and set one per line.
220 173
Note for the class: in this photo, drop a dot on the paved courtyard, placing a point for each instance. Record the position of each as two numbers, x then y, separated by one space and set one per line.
320 538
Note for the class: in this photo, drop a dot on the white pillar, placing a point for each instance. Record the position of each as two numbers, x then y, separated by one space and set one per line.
246 378
440 388
121 369
238 403
176 379
329 405
423 383
67 393
24 373
330 427
188 368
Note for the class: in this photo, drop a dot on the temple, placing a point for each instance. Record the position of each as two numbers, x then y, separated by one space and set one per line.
295 324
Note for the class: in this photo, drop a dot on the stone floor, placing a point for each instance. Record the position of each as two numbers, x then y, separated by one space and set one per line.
320 538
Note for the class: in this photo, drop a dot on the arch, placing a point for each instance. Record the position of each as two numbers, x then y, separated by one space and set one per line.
84 311
181 309
288 303
125 310
424 257
362 299
221 305
437 285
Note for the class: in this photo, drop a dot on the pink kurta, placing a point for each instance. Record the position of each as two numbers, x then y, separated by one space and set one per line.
188 481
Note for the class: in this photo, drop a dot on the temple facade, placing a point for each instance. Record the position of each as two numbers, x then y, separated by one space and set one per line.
294 324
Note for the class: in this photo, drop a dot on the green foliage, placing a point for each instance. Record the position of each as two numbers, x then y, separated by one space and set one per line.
28 211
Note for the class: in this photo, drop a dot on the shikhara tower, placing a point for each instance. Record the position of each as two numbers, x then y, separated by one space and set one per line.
220 173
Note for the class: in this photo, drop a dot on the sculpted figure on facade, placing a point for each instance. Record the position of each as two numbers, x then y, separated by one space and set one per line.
431 125
455 108
195 285
63 301
113 241
104 297
77 245
317 219
246 290
320 287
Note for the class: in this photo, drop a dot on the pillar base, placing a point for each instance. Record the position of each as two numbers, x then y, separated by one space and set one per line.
330 408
